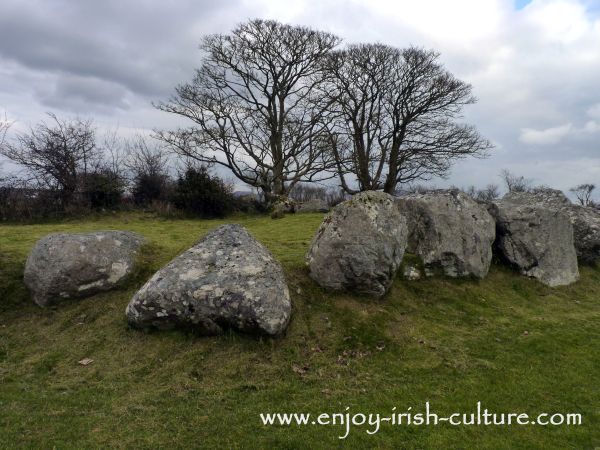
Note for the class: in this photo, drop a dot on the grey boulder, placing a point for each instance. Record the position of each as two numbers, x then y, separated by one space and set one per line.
585 220
538 241
359 246
450 232
227 280
62 266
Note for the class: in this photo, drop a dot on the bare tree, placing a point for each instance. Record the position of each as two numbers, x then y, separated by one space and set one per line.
489 193
115 155
148 164
252 105
395 116
145 156
583 192
353 84
55 153
4 126
303 192
472 191
515 183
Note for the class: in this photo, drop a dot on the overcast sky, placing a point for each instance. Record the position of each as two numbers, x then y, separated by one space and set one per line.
534 65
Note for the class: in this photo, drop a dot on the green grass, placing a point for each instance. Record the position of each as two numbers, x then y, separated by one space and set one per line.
449 342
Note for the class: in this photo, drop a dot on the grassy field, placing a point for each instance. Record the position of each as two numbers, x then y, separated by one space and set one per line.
509 342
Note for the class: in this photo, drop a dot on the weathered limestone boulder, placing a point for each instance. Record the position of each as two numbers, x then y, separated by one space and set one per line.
360 245
538 241
313 206
450 232
283 206
64 266
585 220
227 280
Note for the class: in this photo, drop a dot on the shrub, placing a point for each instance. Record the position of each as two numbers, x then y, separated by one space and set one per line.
101 189
149 187
199 193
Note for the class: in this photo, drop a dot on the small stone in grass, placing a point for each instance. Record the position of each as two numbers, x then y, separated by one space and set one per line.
86 361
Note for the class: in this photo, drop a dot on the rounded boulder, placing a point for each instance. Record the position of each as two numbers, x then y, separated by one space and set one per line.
359 246
62 266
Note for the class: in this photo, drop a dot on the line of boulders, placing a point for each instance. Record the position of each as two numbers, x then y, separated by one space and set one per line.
228 280
541 233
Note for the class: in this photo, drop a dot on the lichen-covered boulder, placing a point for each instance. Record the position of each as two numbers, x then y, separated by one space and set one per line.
585 220
538 241
227 280
359 246
62 266
313 206
285 205
411 272
450 232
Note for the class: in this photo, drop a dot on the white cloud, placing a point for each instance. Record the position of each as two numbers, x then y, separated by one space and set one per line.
591 126
562 21
547 136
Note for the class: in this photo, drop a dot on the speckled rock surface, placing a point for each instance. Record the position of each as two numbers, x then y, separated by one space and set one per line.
360 245
585 220
538 241
227 280
62 266
450 232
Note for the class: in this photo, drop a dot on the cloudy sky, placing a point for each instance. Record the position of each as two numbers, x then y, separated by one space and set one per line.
534 65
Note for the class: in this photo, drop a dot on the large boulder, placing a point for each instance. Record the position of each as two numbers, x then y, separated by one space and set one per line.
313 206
538 241
62 266
450 232
360 245
585 220
227 280
284 205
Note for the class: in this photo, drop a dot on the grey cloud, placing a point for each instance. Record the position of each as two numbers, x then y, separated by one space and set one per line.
84 94
143 46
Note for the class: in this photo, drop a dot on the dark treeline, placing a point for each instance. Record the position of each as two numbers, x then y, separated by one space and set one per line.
69 170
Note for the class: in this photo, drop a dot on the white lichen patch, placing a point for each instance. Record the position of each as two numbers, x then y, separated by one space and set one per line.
203 291
250 270
95 284
117 271
191 274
